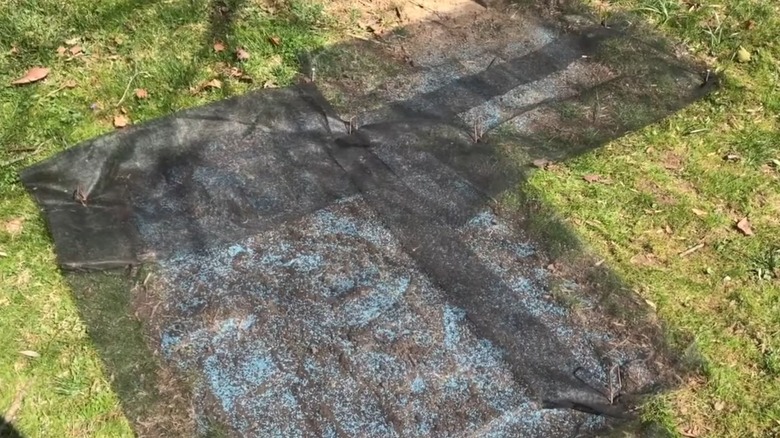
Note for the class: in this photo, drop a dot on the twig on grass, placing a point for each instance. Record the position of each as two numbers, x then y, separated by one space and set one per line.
691 250
129 83
19 158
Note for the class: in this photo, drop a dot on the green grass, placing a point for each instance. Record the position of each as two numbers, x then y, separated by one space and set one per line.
725 297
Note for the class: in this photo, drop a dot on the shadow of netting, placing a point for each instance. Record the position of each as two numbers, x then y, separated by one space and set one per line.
7 430
164 190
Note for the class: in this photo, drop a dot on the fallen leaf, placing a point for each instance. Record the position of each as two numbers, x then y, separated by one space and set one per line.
242 55
719 405
214 83
219 47
592 178
691 432
14 226
207 85
541 163
29 353
275 40
237 73
34 74
75 50
73 41
120 121
698 212
141 93
71 84
643 260
743 55
744 226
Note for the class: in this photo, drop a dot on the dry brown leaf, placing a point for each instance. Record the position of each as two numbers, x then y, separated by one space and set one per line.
141 93
214 83
643 260
541 163
207 85
275 40
29 353
744 226
698 212
34 74
14 226
73 41
592 178
237 73
120 121
71 84
242 55
75 50
219 47
691 432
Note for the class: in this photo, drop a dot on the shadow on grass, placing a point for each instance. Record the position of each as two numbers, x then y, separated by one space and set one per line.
7 430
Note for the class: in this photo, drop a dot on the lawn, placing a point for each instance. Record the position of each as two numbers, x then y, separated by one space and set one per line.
663 211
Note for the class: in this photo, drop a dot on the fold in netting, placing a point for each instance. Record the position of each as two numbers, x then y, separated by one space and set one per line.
311 275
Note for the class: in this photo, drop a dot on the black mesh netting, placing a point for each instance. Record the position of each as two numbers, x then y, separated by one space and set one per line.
336 258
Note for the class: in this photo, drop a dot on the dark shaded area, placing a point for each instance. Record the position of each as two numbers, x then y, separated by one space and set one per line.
7 430
328 258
